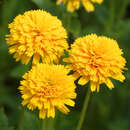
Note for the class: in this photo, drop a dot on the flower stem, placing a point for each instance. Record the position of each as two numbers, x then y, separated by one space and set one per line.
122 10
43 124
111 19
51 124
84 109
21 119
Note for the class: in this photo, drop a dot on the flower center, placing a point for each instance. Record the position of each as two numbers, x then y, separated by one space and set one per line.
94 61
47 89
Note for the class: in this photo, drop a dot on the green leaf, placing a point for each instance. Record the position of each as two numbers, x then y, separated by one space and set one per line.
3 118
102 14
118 124
31 121
48 5
64 122
4 121
75 27
19 70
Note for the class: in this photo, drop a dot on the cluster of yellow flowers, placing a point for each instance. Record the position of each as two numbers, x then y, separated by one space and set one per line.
73 5
40 35
47 85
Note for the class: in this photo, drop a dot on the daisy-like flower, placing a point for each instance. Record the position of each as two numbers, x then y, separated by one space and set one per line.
47 87
37 34
96 59
73 5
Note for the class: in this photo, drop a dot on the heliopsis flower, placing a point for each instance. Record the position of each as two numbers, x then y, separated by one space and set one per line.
47 87
37 34
96 59
73 5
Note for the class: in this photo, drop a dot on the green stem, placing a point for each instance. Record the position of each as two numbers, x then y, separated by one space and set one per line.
122 10
84 109
51 124
43 124
110 22
21 119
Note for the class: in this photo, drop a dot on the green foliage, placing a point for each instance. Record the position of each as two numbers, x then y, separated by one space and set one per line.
22 69
4 121
108 110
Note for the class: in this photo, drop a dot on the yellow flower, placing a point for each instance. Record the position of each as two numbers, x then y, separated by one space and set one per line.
46 87
75 4
39 34
96 59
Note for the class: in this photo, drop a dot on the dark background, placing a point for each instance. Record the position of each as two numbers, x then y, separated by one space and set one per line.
108 109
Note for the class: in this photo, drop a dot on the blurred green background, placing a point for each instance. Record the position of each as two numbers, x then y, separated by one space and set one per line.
108 110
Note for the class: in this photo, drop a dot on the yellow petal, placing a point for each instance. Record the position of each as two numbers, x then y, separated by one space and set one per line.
82 81
66 60
21 87
109 83
42 113
63 109
76 75
31 106
26 95
93 86
97 1
36 59
88 5
39 105
13 49
24 102
69 102
25 59
51 112
98 88
47 105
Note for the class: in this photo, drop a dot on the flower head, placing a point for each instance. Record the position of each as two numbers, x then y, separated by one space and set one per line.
47 87
96 59
37 34
75 4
